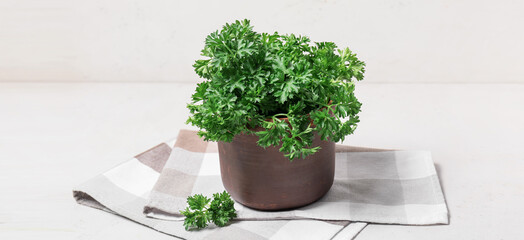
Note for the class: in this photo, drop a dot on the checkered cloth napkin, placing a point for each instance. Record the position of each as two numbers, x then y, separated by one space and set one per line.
399 187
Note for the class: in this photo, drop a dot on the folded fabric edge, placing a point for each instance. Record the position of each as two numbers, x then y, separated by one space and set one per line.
86 200
351 231
349 148
436 219
156 213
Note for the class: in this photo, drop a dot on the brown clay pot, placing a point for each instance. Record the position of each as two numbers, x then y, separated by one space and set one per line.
265 179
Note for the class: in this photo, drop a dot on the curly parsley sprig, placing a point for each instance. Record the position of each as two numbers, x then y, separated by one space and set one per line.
202 210
302 87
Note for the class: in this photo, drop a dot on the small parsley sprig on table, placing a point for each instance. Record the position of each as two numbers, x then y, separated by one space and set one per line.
202 210
290 87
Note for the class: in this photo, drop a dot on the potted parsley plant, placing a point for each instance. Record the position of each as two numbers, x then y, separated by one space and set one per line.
276 105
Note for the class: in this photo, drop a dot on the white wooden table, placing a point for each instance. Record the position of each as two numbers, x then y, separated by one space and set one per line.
57 135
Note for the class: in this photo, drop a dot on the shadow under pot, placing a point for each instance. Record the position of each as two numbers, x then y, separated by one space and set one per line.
264 179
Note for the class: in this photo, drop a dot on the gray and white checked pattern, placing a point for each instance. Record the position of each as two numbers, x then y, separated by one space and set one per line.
124 190
393 187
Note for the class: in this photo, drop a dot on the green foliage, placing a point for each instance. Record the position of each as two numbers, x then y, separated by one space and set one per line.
283 83
201 210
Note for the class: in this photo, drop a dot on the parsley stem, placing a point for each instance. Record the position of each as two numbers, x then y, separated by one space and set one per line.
280 114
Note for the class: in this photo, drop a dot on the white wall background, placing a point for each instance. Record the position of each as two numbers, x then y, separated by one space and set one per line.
415 41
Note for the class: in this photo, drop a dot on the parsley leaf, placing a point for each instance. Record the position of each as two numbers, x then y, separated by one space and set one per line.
286 84
202 210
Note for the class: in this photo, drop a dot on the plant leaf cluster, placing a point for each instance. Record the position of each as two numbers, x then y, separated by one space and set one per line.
286 84
202 210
